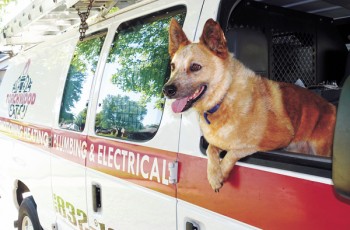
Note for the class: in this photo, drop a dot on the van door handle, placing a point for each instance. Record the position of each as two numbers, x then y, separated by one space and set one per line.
96 198
191 226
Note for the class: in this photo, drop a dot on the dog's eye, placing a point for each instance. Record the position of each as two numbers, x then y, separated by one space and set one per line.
172 66
195 67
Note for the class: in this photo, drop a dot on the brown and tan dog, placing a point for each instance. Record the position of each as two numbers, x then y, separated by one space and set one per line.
241 112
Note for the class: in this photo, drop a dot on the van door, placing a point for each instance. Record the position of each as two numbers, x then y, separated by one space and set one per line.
275 189
135 135
69 136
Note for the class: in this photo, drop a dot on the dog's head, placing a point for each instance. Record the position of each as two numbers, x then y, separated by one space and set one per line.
197 69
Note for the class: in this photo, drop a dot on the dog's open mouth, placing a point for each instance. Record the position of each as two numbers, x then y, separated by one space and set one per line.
182 104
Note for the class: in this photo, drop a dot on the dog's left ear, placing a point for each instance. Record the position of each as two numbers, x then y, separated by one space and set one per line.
213 37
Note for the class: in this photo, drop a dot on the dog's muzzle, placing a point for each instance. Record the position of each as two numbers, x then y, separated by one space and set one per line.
169 90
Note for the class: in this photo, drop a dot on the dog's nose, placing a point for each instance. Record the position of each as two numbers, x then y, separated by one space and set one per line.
169 90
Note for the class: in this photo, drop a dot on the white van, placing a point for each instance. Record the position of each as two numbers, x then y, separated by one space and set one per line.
88 141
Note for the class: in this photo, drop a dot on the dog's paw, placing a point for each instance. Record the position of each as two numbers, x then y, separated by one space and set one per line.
216 183
215 178
218 189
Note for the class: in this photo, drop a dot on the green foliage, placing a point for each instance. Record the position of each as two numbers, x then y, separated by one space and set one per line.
121 112
86 54
113 10
4 3
141 52
135 72
83 65
138 63
72 92
80 119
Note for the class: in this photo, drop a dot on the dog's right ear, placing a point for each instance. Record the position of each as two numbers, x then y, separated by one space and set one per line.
177 37
214 39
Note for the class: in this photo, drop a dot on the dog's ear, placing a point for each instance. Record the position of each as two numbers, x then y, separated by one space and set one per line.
213 37
177 37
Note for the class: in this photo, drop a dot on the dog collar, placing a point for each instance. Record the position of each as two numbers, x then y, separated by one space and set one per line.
210 111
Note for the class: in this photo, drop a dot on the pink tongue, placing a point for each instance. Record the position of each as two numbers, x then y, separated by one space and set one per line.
179 105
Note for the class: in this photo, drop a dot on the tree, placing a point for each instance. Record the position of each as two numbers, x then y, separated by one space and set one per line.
83 65
71 94
80 119
142 54
120 112
87 53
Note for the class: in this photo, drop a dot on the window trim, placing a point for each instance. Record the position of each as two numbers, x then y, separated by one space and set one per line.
281 159
295 162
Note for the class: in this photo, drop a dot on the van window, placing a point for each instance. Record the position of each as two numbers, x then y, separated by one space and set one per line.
130 103
289 43
78 84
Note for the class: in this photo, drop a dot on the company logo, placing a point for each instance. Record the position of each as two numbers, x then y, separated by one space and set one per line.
21 96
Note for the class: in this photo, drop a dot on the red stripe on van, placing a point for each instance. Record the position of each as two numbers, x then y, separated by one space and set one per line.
141 165
259 198
70 145
264 199
32 134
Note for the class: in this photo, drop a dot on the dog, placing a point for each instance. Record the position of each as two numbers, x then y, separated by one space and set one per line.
241 112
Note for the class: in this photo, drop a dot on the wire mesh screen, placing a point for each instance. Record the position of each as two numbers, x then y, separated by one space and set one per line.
293 57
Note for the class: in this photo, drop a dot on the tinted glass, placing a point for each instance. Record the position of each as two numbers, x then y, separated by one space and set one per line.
78 84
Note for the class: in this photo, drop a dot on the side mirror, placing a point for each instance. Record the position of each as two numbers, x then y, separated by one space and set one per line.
341 144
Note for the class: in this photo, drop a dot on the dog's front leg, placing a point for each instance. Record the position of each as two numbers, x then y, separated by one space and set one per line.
230 159
214 171
227 163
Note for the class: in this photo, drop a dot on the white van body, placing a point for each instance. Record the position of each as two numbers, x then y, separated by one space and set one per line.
82 178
